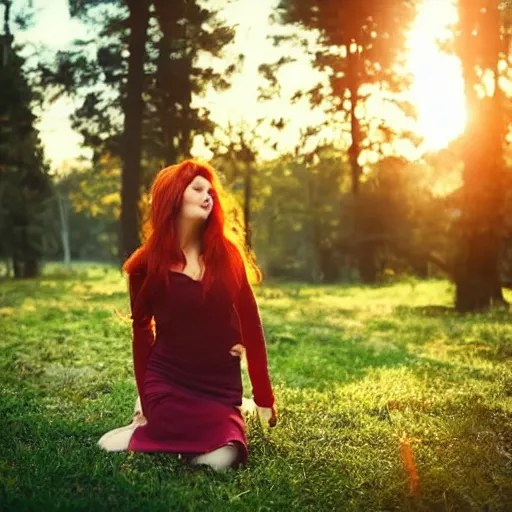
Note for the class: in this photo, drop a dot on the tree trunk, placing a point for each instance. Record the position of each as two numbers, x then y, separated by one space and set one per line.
17 268
64 228
174 81
477 276
31 268
365 253
355 128
186 111
132 135
25 268
168 13
367 263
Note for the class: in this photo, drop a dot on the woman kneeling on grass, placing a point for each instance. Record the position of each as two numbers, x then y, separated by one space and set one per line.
192 280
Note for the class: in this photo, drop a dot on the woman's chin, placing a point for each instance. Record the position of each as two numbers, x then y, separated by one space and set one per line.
206 215
201 217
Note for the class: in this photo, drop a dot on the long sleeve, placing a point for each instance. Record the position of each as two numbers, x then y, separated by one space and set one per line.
255 346
143 337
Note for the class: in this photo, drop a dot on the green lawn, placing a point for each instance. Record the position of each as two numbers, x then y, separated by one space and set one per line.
354 369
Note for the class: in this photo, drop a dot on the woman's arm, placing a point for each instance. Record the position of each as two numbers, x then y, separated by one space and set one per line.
143 337
255 346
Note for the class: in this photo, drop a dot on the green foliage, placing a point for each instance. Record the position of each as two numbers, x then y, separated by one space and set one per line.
377 27
354 369
184 39
93 207
398 214
307 223
357 44
24 182
296 218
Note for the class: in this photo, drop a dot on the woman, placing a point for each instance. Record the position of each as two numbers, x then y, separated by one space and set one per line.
190 279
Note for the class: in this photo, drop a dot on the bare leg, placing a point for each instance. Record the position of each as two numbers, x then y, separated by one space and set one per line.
222 458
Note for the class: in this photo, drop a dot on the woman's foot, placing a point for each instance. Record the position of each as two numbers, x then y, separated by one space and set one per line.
118 440
220 459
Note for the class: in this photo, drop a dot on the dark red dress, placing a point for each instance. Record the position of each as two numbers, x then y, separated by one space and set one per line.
189 383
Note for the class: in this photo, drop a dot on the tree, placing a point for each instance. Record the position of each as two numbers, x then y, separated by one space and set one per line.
296 213
25 186
164 42
87 209
132 133
481 46
133 23
188 32
236 154
359 44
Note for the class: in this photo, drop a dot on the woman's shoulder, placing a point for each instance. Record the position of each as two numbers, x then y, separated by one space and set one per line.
136 265
138 274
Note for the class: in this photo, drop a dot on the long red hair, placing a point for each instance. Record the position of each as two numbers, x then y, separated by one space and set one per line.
224 256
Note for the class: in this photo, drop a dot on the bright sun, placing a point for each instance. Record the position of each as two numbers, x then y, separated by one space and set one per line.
438 89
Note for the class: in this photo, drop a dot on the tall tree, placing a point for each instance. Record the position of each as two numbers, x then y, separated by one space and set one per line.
188 32
135 25
236 155
360 42
25 186
164 42
481 46
132 132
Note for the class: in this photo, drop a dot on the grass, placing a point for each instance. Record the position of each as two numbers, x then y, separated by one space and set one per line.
374 386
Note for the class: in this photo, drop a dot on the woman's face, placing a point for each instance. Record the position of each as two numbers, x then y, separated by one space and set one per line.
197 200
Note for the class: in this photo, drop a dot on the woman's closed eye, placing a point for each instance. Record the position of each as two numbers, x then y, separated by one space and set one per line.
210 192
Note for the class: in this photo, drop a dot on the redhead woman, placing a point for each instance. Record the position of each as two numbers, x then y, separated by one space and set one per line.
189 280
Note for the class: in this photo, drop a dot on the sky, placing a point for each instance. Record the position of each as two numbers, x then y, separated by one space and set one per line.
437 90
54 30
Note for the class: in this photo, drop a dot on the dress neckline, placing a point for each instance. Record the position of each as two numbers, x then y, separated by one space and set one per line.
186 275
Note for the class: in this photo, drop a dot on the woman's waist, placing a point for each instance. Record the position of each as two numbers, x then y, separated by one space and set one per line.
195 351
225 387
189 366
187 331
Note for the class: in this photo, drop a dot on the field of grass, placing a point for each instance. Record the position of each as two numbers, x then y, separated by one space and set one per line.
388 400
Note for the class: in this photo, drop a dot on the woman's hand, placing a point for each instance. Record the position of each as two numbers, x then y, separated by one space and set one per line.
237 350
139 419
138 416
268 414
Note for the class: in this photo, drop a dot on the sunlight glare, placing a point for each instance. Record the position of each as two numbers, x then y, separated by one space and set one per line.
438 88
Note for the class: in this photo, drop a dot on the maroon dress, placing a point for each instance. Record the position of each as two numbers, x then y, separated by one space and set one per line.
189 383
